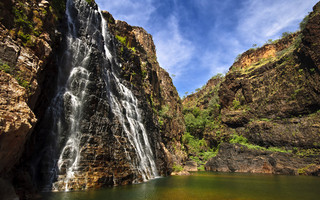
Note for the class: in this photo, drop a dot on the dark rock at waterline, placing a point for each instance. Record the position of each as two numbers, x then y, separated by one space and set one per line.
239 158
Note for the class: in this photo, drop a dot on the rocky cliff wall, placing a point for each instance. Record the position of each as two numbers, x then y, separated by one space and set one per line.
26 40
268 103
31 61
138 50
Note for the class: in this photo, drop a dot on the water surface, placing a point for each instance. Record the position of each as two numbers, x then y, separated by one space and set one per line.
207 185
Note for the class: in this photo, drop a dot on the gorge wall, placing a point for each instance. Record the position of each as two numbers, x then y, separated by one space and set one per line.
84 102
263 116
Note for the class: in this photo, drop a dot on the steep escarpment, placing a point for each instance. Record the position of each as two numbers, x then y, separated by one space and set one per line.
26 45
86 98
269 108
141 68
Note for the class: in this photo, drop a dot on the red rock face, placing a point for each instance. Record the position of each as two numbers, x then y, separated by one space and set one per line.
271 97
156 85
16 119
23 56
104 150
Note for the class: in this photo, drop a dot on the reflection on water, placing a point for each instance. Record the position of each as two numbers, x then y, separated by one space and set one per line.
207 185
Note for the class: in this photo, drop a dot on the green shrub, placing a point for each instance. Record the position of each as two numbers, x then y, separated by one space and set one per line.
89 1
236 104
5 67
132 49
201 168
194 145
285 34
24 83
303 170
177 168
237 58
187 137
239 139
21 18
122 39
210 154
304 22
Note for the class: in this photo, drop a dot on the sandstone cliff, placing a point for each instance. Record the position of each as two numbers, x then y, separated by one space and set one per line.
33 39
269 103
140 67
27 36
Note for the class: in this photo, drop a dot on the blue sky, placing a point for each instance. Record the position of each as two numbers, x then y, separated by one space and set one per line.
196 39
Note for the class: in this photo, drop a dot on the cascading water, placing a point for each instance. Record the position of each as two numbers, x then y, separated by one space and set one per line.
146 165
72 124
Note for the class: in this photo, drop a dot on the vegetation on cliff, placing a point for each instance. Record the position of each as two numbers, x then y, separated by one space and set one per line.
267 102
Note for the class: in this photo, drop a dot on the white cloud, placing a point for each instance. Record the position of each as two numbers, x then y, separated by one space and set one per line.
262 20
173 50
135 12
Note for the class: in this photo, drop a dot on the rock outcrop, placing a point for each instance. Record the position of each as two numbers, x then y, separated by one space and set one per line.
142 69
269 104
239 158
27 36
33 71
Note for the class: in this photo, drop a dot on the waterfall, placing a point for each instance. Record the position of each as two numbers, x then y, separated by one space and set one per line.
146 165
87 34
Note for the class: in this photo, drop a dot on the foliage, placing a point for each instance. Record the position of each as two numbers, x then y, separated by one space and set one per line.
59 7
5 67
122 39
236 104
304 22
285 34
193 144
218 75
304 169
177 168
144 73
21 18
164 112
24 83
132 49
195 124
238 57
89 1
269 41
210 154
308 152
201 168
239 139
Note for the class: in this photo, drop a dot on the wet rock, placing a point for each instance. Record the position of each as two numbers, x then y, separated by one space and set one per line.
239 158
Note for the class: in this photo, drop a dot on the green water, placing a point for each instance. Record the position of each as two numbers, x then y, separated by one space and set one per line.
207 185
